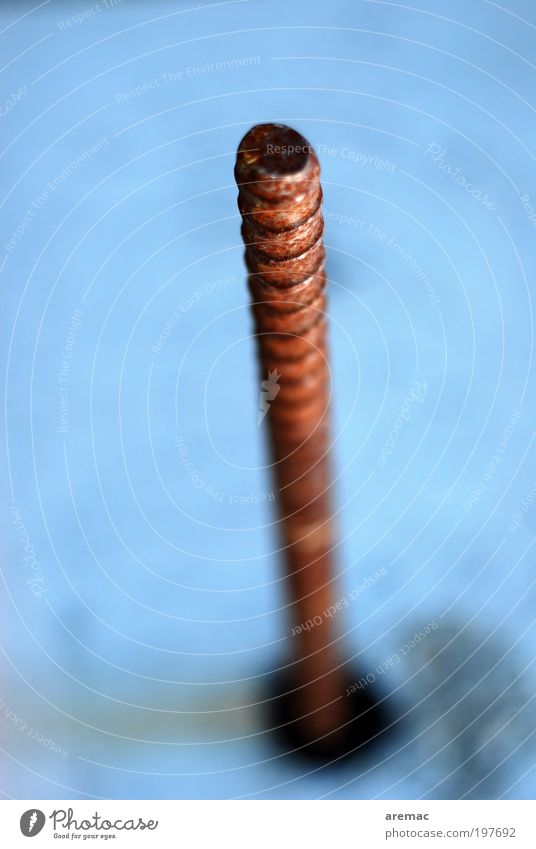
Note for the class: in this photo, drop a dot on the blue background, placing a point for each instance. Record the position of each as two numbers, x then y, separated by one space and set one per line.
148 507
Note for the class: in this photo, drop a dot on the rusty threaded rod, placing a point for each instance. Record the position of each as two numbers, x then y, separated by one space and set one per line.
280 200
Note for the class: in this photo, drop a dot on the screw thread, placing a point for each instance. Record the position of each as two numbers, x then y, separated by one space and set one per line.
280 200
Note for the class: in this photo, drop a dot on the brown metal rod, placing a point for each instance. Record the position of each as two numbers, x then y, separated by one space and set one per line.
280 200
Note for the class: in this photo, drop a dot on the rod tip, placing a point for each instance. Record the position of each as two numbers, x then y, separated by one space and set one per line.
274 159
274 149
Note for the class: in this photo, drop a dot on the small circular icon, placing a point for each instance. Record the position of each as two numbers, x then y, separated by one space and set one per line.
31 822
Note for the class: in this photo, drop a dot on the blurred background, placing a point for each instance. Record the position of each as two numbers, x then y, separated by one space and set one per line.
140 594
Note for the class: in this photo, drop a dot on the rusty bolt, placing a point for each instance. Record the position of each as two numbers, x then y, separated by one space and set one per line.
280 200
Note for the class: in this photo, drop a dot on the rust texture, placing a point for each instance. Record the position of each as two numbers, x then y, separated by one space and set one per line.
280 200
